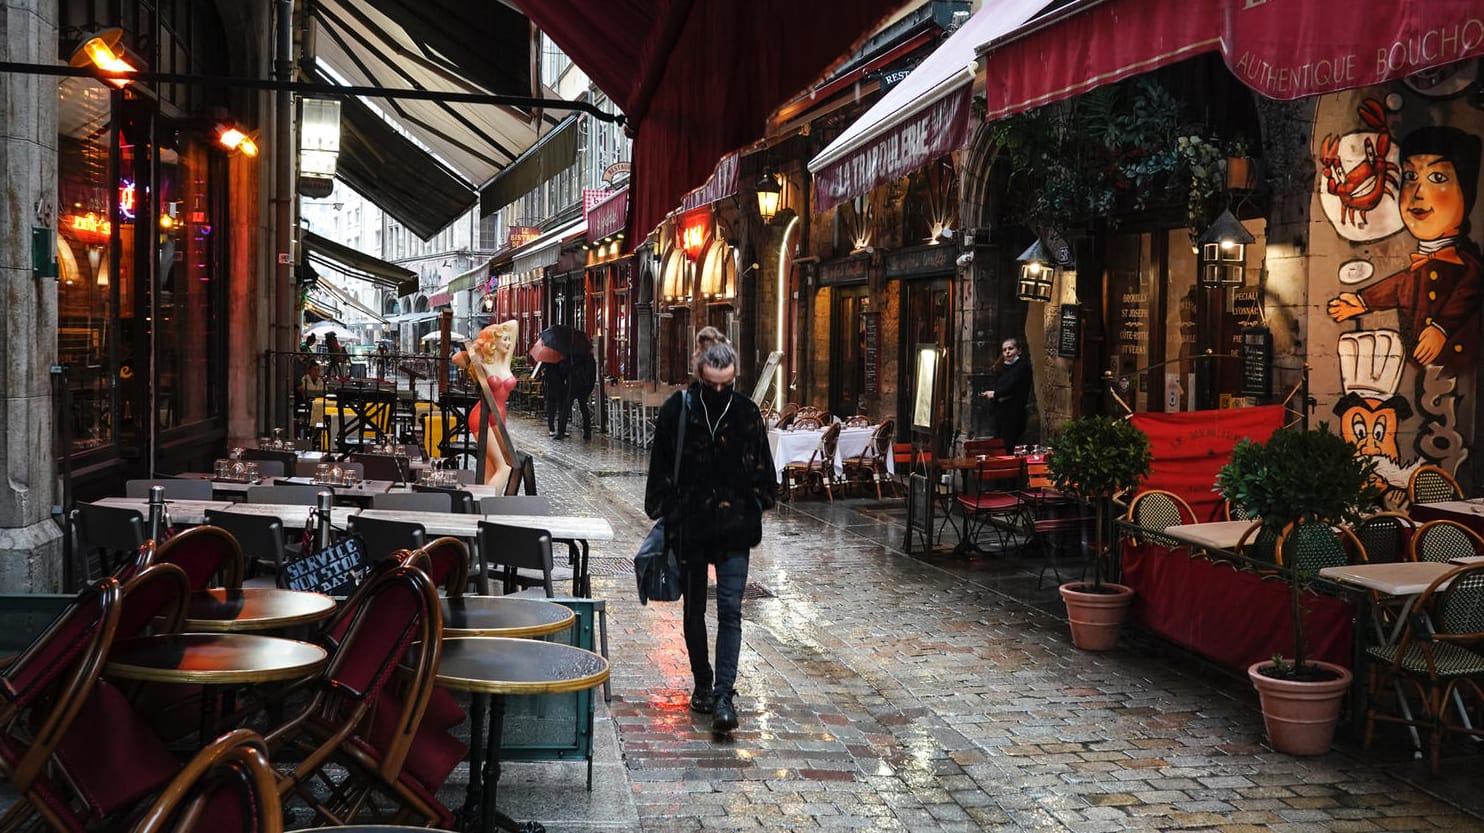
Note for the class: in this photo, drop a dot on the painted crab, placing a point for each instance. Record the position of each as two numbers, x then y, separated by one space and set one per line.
1362 188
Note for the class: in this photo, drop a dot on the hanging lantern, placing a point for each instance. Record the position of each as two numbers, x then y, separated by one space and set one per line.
1223 249
1037 271
769 194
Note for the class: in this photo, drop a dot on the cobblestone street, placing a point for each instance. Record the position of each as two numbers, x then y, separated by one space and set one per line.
883 692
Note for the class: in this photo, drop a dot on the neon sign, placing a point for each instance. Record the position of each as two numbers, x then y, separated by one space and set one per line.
126 199
692 236
88 225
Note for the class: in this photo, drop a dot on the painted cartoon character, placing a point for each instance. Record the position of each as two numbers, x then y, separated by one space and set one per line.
1372 425
1440 295
1364 186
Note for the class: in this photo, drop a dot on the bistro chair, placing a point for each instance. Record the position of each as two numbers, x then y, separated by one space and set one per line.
108 537
872 460
438 501
819 468
1435 658
176 488
1259 543
856 421
384 537
1386 536
358 737
393 467
154 602
992 501
987 446
209 555
523 555
71 745
1310 546
260 537
1444 541
1430 484
1054 535
447 564
1235 512
463 501
1155 510
805 422
292 494
228 787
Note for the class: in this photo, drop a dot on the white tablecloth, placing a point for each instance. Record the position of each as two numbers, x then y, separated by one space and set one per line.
798 447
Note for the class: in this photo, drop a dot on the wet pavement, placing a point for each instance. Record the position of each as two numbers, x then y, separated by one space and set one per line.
884 692
879 691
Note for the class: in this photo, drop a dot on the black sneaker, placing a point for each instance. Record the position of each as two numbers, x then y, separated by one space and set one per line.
724 717
702 700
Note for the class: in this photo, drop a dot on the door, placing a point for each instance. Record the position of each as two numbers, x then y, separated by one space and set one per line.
925 313
847 340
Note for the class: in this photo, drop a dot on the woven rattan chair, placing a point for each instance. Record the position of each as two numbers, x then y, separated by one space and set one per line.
872 460
1432 658
1444 540
1386 536
1430 484
1310 546
819 468
1155 510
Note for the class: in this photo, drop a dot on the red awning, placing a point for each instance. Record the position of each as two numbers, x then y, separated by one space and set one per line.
698 78
1282 50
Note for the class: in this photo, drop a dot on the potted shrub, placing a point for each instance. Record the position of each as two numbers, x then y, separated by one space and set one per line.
1092 459
1296 476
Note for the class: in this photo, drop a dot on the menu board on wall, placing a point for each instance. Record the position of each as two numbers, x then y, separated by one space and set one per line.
1257 362
871 353
1069 331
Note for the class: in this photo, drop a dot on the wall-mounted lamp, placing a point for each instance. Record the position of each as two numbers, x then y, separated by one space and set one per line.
319 137
103 51
769 195
1224 252
1037 271
236 141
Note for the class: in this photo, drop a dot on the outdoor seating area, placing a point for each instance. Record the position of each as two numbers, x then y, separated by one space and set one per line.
1393 600
229 625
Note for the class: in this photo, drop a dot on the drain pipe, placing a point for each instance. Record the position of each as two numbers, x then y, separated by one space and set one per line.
284 324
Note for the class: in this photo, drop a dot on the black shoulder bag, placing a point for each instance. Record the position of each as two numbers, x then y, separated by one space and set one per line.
657 564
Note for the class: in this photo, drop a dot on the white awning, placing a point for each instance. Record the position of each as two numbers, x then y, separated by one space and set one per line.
543 251
928 109
368 47
349 299
411 317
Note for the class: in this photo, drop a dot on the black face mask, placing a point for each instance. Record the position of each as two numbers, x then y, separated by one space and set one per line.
716 399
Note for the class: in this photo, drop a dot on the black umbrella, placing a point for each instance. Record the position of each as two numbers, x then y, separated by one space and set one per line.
565 339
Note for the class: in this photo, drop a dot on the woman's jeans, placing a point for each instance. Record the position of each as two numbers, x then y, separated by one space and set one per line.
731 577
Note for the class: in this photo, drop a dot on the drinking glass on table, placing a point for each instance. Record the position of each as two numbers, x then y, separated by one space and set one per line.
222 469
253 475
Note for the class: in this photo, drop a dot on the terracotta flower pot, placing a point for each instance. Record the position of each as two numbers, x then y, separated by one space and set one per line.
1300 715
1096 618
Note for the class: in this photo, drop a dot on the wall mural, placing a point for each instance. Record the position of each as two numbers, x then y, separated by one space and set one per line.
1411 349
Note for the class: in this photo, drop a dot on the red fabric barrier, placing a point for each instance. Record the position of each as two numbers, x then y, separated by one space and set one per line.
1190 447
1232 617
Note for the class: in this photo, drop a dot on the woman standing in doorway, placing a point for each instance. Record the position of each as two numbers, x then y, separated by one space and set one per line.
1010 392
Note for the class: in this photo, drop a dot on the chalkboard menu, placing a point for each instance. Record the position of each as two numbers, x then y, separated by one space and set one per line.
1257 362
871 353
335 571
1069 334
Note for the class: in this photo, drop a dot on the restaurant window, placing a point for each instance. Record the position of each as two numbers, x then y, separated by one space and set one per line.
847 337
618 350
86 295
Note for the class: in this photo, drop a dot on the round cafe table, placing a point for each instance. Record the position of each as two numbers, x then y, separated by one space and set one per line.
494 667
503 616
219 610
225 659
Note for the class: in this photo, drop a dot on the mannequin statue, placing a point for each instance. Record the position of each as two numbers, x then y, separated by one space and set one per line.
488 361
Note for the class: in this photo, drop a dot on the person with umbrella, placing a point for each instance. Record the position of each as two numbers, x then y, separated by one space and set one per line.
583 377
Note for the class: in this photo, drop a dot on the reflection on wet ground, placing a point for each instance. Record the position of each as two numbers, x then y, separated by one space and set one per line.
885 692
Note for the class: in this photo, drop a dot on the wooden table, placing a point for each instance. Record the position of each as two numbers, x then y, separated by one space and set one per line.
219 610
578 530
503 616
1217 535
493 667
191 512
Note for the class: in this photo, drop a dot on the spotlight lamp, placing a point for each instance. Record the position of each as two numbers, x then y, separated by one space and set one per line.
1223 250
103 51
1037 271
236 141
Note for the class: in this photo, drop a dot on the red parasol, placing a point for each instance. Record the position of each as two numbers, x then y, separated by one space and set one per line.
542 353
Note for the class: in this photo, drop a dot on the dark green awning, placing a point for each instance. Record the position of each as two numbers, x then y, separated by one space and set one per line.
556 152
